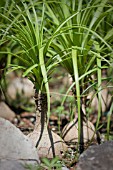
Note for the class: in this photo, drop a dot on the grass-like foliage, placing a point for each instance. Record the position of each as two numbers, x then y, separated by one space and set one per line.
83 44
76 34
54 163
26 27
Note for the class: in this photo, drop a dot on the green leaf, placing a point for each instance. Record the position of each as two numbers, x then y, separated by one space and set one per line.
54 160
14 67
29 70
46 162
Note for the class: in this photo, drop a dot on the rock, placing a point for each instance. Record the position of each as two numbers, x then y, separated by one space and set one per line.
14 145
49 141
65 168
6 112
11 165
97 157
106 100
21 86
44 148
70 131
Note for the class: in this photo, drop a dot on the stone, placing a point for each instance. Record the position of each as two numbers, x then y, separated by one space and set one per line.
11 165
70 132
97 157
21 86
6 112
105 100
14 145
44 148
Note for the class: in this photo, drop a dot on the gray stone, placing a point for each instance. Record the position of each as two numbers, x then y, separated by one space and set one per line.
6 112
14 145
11 165
97 157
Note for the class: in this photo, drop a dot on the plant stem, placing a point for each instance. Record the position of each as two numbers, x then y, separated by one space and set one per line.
80 116
41 113
99 77
108 120
41 117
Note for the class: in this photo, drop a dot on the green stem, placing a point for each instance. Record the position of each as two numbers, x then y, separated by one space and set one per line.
99 77
76 77
108 121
